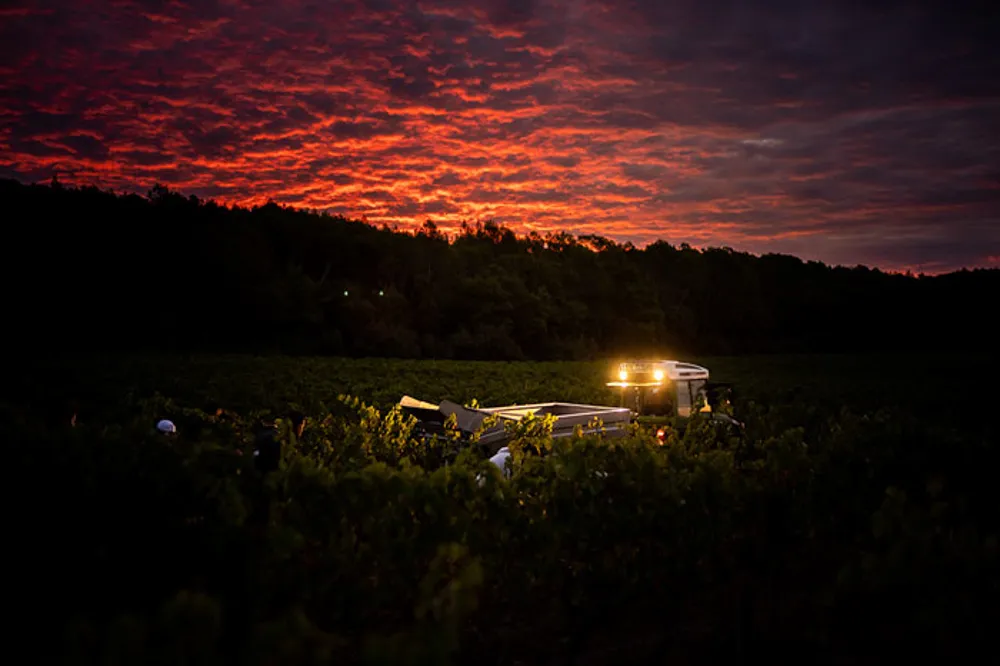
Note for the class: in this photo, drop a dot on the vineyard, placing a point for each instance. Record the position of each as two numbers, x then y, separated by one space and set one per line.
854 522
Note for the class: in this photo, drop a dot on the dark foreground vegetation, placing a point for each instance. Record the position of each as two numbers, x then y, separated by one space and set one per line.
88 269
854 521
834 532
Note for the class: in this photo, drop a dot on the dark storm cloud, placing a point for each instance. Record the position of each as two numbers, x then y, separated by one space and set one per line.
145 158
348 130
86 147
567 161
38 149
40 123
418 209
839 130
215 142
510 12
447 179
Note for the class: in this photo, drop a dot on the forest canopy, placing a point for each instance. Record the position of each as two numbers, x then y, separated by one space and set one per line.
90 269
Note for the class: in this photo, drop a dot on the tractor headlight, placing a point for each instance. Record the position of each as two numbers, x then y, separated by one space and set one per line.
622 375
658 375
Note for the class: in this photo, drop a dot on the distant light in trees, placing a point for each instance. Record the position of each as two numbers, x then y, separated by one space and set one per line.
345 292
381 293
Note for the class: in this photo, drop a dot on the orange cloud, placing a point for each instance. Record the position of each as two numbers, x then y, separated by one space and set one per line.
685 121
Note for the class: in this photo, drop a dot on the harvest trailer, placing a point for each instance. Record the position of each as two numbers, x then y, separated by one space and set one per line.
569 416
661 387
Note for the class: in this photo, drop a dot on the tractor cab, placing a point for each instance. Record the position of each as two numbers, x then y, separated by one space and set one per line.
662 387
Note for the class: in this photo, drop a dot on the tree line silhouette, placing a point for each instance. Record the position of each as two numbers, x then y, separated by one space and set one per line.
89 269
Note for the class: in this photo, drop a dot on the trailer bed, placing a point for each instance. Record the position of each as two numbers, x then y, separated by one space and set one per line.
613 421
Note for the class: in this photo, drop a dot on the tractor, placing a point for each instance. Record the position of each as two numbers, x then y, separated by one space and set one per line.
659 390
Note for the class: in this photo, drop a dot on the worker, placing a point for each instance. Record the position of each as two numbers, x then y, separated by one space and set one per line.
266 456
502 460
267 449
166 427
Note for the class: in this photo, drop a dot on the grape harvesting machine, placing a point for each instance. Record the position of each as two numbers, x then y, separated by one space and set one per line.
651 391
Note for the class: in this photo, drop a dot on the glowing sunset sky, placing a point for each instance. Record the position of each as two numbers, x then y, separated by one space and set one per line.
850 132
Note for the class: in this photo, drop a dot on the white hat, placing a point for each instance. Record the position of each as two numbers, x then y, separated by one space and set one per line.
166 426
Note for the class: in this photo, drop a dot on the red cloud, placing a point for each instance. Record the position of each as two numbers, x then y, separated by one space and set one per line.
641 123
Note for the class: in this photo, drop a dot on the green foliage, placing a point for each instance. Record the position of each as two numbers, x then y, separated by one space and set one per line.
529 437
447 596
827 525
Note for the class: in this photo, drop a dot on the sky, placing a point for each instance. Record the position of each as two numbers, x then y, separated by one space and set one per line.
850 132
